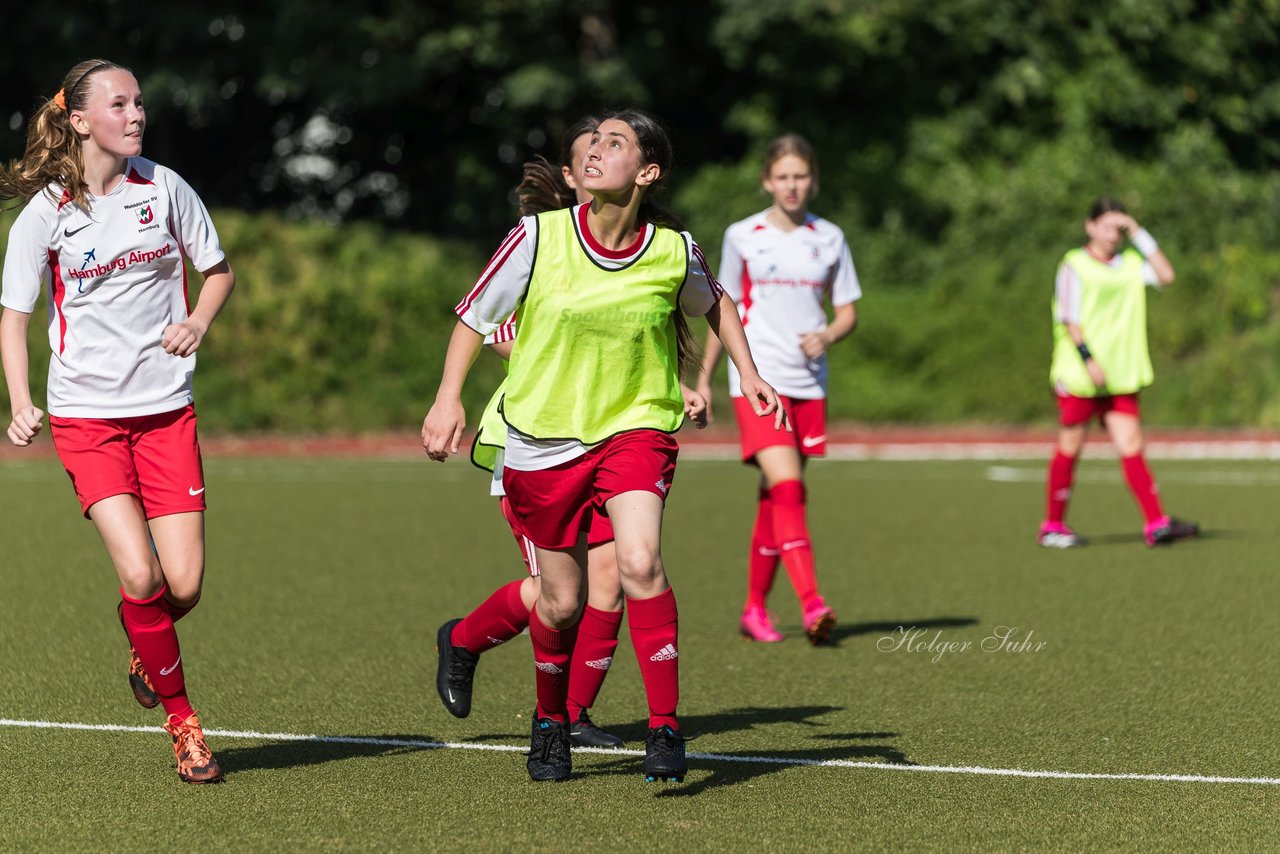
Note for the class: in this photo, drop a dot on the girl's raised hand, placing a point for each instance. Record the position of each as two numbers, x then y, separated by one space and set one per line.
25 425
442 429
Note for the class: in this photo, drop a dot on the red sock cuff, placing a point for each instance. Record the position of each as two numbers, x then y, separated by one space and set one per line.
552 640
150 600
650 613
600 624
1058 456
788 492
516 610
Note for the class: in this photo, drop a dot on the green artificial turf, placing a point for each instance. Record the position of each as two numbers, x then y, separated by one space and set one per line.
328 578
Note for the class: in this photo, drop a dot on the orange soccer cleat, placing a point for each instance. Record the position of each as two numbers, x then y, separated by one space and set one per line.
196 763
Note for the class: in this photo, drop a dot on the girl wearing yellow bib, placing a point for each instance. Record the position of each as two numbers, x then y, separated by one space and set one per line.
1100 363
591 401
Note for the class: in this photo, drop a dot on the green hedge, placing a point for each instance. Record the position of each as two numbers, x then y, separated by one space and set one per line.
343 328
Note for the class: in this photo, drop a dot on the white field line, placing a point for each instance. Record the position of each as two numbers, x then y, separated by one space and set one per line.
1265 477
1164 450
709 757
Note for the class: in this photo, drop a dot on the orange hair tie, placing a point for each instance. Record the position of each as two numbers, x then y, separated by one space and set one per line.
60 101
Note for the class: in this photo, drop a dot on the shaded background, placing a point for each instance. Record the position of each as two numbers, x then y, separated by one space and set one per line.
360 158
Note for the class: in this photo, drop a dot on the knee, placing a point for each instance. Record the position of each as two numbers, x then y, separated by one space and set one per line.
559 609
140 581
640 564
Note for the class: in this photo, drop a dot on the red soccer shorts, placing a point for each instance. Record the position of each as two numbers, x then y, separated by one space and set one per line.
553 506
1078 410
155 457
601 532
808 420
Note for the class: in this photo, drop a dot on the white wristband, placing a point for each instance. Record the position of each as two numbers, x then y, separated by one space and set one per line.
1145 243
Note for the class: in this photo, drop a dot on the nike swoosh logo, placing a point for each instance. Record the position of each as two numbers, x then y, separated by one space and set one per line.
450 693
66 232
165 671
811 441
194 491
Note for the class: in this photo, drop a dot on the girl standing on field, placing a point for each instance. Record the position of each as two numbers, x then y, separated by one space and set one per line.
505 614
590 404
780 266
1101 362
110 231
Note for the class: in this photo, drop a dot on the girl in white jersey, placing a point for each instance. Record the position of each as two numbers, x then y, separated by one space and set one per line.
591 401
109 232
780 266
505 613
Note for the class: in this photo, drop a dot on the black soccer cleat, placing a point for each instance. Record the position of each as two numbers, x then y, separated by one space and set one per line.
1168 530
664 756
549 759
584 733
455 671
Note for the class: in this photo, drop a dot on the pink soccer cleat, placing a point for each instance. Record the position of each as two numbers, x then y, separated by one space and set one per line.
1056 535
819 620
756 625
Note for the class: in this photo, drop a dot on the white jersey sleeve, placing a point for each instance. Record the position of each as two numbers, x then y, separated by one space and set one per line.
501 287
845 287
1067 292
26 260
701 291
192 225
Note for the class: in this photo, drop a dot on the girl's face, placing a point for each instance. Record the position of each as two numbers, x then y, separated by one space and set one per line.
1106 232
790 182
573 173
113 119
614 161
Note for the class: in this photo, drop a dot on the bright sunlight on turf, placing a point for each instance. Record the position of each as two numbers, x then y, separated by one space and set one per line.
961 645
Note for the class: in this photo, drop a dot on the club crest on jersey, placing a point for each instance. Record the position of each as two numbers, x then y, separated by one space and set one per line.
145 215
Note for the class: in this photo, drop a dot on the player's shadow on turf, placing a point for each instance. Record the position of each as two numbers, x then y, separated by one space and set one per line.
1133 538
732 769
888 627
295 754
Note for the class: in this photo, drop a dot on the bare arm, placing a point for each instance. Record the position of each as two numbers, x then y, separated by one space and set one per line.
1096 373
724 322
814 344
502 348
26 421
1146 244
443 426
711 353
183 339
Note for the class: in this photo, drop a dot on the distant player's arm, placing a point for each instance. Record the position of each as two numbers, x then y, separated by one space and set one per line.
814 344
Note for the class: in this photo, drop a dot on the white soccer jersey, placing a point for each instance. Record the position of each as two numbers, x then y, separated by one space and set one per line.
501 289
116 280
780 280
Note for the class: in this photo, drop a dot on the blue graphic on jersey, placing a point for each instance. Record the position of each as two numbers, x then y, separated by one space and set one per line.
91 255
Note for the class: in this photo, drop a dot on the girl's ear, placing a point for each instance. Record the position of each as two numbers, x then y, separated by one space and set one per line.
567 174
649 174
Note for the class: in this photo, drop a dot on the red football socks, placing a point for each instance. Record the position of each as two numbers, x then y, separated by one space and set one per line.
551 652
495 621
150 630
592 656
1062 472
762 565
654 625
1143 486
792 534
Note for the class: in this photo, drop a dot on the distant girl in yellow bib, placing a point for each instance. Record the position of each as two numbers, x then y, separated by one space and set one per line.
1100 363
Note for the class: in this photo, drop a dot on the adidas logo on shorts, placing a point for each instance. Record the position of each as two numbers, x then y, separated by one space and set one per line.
667 653
600 663
548 667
